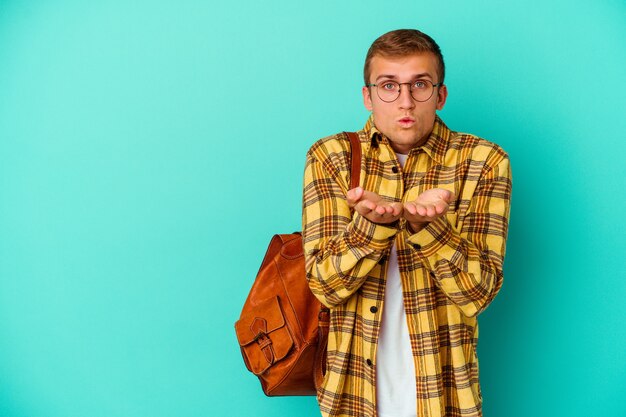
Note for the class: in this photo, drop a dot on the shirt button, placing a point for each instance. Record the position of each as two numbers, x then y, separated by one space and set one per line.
417 246
369 362
373 309
395 170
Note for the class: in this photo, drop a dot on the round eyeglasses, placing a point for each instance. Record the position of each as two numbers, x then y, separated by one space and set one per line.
421 90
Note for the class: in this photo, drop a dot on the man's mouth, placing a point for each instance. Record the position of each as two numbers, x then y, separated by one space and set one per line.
406 121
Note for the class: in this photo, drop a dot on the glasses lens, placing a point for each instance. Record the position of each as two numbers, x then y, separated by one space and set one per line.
388 90
422 90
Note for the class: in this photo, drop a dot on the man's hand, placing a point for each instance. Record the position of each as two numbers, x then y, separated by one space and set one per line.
428 206
372 206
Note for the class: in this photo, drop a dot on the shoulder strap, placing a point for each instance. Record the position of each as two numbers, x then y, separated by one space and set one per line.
319 366
355 166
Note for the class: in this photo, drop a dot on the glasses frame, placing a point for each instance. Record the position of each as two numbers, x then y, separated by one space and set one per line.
439 84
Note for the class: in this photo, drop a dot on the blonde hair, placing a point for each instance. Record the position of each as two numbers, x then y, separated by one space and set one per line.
400 43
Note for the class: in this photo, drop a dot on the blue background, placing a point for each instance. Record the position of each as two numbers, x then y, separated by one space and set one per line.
149 150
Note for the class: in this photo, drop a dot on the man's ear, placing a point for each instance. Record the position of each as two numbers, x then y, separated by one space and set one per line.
442 95
367 99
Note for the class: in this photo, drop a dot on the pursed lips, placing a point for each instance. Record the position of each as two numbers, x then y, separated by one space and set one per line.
406 121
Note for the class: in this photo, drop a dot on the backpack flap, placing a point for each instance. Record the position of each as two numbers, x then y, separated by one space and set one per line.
263 336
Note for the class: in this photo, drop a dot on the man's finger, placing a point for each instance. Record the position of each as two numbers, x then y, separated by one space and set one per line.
410 207
354 195
397 209
380 210
369 204
448 196
362 208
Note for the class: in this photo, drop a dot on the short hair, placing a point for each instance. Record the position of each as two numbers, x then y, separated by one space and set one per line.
401 43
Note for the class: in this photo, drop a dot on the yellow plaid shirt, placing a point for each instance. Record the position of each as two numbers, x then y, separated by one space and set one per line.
450 270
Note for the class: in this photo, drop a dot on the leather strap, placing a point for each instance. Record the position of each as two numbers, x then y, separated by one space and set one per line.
355 151
322 344
324 314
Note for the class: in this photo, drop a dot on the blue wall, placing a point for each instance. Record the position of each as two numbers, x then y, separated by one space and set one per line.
149 150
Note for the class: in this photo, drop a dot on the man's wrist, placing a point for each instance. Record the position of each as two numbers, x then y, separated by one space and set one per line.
363 232
394 224
413 228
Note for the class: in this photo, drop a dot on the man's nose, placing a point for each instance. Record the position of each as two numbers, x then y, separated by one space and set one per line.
406 100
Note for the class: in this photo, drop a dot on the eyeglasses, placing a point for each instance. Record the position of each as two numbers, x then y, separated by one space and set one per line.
421 90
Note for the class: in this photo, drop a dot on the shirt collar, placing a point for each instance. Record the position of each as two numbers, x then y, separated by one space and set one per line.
435 146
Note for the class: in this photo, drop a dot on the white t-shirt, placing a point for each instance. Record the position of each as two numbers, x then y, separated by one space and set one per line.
396 394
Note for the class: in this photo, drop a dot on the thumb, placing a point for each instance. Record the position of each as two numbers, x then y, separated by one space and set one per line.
354 195
448 196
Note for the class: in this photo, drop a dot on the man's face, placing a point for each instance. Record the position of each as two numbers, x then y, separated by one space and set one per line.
405 122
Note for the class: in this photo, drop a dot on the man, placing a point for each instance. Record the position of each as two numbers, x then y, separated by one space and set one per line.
407 260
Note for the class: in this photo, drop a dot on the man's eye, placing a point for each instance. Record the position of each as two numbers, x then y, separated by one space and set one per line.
389 86
419 84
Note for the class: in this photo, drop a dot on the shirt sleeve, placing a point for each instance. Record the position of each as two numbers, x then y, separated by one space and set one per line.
467 264
340 247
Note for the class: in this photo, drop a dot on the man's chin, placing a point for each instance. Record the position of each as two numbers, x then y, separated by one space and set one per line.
406 139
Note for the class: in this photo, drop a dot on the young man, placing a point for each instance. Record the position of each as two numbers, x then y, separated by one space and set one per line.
407 260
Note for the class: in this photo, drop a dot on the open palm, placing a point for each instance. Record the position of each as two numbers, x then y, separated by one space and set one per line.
373 207
428 206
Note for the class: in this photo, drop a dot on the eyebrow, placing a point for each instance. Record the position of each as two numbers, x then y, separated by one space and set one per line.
393 77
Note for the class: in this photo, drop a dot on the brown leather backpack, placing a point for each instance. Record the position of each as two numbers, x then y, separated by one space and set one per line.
283 328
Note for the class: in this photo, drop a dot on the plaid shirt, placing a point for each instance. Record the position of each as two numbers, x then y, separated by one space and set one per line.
450 270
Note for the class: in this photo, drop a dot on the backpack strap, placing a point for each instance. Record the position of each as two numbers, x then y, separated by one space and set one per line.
324 314
355 152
